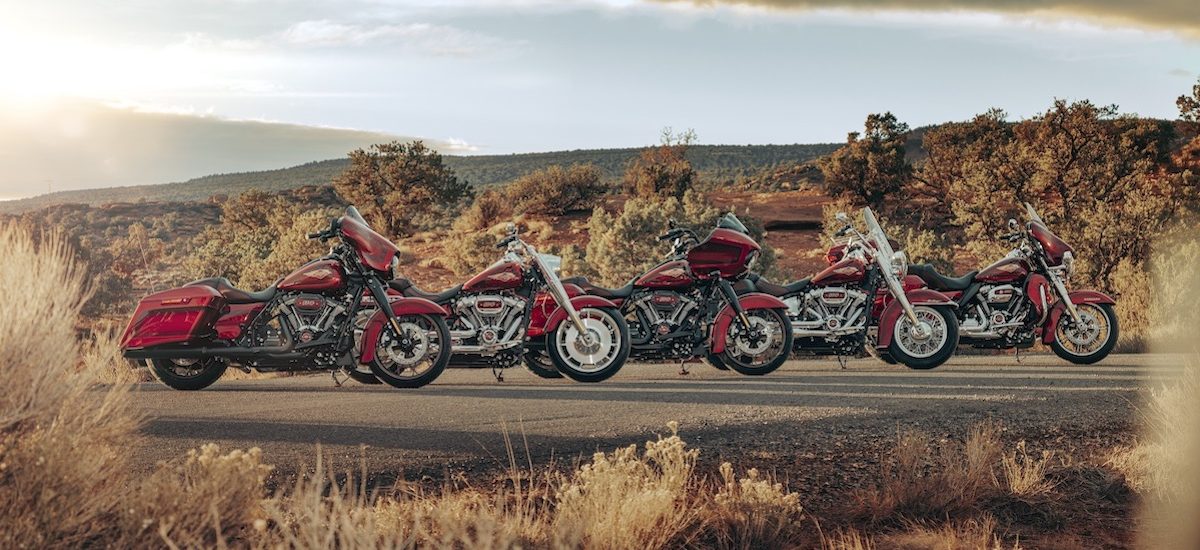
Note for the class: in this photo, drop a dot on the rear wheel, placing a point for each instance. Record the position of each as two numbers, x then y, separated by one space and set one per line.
1089 341
927 343
188 374
416 356
763 348
538 362
595 360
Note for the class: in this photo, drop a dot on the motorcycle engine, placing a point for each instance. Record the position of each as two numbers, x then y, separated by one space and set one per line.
664 312
310 315
827 312
489 318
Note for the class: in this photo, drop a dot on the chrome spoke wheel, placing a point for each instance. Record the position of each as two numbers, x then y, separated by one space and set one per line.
1087 336
925 337
592 354
411 353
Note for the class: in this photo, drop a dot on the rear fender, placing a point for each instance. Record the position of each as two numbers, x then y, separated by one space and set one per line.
402 306
1059 308
720 326
892 313
559 314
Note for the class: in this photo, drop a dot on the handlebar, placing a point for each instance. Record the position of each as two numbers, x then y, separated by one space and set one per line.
842 232
505 241
1010 237
327 233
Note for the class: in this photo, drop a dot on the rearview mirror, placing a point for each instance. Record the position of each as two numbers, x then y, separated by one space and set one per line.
1012 224
842 217
511 228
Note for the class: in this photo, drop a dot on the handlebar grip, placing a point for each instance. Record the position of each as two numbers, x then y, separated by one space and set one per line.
315 235
504 242
666 237
842 232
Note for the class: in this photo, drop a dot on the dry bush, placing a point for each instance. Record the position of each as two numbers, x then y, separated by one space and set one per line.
555 190
100 358
972 534
62 445
205 500
751 512
626 500
1024 475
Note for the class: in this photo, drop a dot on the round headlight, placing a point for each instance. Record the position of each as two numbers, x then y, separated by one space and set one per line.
1068 262
900 264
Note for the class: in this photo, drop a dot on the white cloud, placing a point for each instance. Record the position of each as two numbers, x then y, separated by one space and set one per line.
423 37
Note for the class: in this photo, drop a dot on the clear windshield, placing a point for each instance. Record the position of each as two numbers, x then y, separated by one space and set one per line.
352 213
1033 215
875 233
729 221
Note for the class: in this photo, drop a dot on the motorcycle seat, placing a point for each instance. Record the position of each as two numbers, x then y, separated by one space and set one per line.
937 281
233 294
794 287
582 282
407 288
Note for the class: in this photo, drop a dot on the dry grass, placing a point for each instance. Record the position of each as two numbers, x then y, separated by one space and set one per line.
100 357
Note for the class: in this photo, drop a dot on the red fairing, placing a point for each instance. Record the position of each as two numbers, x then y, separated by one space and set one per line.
720 326
174 316
402 306
315 276
846 271
374 250
231 324
1008 270
1059 309
1054 246
558 315
501 276
725 250
673 274
919 297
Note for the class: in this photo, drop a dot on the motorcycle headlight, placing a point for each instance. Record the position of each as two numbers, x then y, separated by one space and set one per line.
900 264
752 259
1068 262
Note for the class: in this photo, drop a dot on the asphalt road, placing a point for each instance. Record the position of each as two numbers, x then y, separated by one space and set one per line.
809 410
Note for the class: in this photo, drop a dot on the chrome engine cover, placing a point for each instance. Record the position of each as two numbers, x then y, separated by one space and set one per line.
488 323
665 311
828 312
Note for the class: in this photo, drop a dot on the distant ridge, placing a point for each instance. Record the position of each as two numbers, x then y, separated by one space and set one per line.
718 161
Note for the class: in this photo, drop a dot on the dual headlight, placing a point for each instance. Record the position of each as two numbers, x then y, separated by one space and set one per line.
900 264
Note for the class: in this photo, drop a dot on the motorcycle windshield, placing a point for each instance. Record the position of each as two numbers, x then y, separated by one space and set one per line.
352 213
729 221
1033 215
883 248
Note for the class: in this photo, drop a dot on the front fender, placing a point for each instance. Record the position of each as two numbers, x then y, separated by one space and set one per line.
892 313
559 314
1077 297
720 326
402 306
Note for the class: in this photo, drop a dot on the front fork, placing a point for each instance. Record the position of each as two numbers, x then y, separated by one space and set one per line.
731 297
380 296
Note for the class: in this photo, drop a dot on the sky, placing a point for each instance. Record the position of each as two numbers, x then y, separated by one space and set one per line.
125 92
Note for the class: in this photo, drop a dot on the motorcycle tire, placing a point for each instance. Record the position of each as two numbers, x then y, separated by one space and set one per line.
538 362
715 361
934 360
779 316
438 324
1099 354
564 362
361 377
208 371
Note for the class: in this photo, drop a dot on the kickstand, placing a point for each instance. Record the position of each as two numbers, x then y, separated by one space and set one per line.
1018 350
683 368
842 361
498 373
338 383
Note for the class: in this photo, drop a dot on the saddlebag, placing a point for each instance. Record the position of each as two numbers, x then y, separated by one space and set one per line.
173 316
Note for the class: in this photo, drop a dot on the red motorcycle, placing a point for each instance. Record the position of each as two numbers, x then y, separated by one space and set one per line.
1012 302
864 302
688 306
518 307
304 322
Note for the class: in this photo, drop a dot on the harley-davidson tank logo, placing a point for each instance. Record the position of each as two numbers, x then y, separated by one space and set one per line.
320 273
1009 268
848 270
504 277
674 272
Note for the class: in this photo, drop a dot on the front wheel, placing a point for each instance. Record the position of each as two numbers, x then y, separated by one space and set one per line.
188 374
761 349
927 343
597 358
715 361
539 363
1091 340
416 356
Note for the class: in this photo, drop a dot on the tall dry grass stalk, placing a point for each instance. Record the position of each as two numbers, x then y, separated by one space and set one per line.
100 357
62 445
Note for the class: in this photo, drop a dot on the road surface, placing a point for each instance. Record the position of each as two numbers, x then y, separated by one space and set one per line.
809 410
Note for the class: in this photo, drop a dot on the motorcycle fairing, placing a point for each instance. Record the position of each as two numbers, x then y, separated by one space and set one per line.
402 306
892 313
750 301
375 251
1077 297
539 328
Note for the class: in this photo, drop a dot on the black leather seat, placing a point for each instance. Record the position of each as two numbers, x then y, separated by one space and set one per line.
788 289
407 288
233 294
937 281
610 293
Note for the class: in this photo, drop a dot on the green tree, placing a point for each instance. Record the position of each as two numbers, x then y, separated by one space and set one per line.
395 184
663 171
555 190
871 168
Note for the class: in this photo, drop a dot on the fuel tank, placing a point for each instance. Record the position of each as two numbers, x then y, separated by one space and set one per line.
846 271
673 274
725 251
1008 270
315 276
500 276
